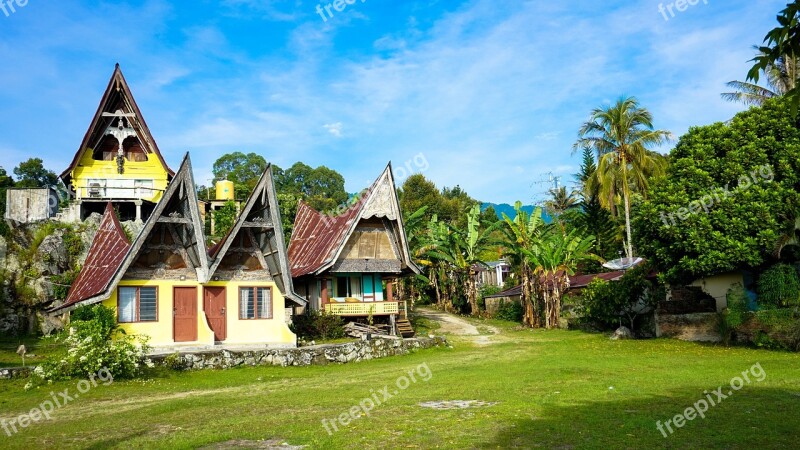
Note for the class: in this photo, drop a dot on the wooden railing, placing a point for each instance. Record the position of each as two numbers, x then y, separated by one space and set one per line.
363 309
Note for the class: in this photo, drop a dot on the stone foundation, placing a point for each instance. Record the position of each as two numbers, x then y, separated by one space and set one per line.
698 327
14 372
304 356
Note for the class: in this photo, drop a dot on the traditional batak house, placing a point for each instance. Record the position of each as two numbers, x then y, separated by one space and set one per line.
118 160
165 285
346 264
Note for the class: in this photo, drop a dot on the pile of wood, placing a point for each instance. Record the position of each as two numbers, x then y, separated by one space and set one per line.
357 330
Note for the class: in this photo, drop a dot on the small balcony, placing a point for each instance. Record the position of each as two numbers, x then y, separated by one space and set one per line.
101 189
365 308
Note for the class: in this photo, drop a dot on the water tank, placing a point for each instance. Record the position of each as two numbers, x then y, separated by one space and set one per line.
225 190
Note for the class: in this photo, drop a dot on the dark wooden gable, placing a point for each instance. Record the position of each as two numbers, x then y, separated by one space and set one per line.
172 243
142 146
255 245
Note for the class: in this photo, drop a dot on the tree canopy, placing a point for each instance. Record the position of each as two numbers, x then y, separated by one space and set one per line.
32 173
729 195
243 170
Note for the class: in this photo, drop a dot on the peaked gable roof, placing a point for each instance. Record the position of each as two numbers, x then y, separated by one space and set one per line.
108 249
117 96
260 222
178 207
318 239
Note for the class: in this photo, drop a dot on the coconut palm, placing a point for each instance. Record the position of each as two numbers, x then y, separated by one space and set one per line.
781 76
560 201
620 135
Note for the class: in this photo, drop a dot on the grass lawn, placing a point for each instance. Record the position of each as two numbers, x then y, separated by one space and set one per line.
554 389
38 350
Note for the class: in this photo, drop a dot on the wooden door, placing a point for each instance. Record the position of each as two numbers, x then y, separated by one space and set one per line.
214 299
184 322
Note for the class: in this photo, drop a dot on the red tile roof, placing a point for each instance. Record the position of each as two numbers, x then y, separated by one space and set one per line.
317 237
108 249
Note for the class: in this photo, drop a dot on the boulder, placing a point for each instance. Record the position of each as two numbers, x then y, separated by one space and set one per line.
622 333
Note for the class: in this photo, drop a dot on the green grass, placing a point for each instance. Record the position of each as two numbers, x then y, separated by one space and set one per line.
38 350
559 389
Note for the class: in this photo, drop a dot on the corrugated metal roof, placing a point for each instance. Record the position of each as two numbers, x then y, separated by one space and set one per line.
317 237
109 247
575 282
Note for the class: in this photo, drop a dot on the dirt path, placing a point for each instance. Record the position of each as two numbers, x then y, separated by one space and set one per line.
454 325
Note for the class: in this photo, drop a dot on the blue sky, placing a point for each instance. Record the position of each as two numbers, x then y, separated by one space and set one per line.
490 92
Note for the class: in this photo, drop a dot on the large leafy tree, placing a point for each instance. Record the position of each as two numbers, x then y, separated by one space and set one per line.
417 192
781 46
322 188
243 170
730 193
621 135
32 173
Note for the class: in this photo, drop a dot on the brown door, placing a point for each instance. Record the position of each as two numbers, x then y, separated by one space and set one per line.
185 314
214 306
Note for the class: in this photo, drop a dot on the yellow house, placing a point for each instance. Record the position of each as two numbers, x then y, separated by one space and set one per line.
118 159
166 285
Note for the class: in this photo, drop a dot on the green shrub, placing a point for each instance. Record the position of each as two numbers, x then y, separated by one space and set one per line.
606 304
779 286
107 317
94 343
510 311
317 325
62 283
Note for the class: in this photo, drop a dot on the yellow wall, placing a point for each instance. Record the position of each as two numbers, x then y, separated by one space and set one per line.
88 169
717 286
271 331
263 331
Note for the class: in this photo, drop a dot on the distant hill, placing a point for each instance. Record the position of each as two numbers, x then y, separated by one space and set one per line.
511 212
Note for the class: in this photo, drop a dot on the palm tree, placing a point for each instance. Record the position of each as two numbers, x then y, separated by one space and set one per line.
620 134
522 236
560 201
781 75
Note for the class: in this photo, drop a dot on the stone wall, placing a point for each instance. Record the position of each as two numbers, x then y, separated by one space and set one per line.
698 327
303 356
14 372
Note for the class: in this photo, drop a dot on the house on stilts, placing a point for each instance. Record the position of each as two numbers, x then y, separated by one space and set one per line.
347 264
118 160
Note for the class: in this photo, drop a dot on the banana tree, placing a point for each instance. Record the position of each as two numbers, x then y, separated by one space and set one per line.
555 260
522 236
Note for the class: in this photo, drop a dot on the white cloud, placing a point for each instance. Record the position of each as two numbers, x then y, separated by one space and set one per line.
334 128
